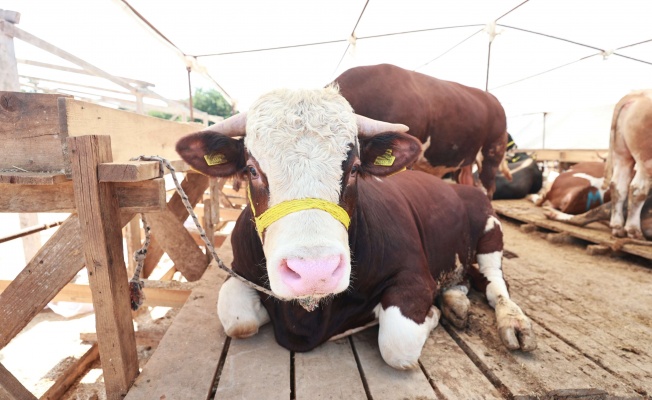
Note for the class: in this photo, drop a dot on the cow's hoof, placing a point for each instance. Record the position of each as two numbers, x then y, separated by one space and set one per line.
514 328
634 233
455 308
240 310
618 231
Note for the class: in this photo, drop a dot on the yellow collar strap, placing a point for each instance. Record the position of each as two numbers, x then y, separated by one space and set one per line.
280 210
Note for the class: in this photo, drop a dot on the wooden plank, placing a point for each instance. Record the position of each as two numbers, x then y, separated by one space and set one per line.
447 366
143 338
154 296
256 368
134 171
131 171
553 365
526 211
32 178
194 340
385 382
29 132
11 388
72 373
567 155
53 266
101 232
133 197
131 233
176 241
131 134
328 372
194 186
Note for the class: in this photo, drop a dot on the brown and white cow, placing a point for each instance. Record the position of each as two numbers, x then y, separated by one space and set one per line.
330 220
452 121
629 169
578 189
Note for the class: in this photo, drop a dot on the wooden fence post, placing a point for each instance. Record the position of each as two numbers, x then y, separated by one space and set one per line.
101 231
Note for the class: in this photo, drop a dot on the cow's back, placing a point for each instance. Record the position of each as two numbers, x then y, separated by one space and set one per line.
454 116
413 215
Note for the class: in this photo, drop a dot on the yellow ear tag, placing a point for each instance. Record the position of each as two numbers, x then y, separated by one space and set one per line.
386 160
215 159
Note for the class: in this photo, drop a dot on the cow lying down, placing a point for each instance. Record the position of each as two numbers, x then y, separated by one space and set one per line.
331 222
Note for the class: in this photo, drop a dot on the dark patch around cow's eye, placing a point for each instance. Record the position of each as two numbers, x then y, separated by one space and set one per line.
252 171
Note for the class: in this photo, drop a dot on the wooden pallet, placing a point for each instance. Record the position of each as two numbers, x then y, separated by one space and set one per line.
526 211
195 360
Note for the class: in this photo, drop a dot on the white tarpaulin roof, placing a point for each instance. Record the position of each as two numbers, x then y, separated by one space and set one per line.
546 56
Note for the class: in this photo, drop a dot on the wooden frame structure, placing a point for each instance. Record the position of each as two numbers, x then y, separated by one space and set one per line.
65 155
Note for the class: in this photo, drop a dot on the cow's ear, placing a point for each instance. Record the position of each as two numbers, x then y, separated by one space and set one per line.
212 153
388 153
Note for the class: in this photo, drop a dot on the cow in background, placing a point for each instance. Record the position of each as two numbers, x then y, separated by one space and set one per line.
629 170
602 213
525 177
326 204
452 121
578 189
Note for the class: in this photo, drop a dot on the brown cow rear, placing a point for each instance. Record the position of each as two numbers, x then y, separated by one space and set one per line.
453 122
630 161
578 189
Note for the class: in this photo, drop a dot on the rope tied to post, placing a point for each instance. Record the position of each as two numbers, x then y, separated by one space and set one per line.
135 285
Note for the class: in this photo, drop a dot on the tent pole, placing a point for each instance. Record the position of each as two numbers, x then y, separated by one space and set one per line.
190 106
486 82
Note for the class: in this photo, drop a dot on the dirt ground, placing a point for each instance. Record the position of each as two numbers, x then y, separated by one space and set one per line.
617 287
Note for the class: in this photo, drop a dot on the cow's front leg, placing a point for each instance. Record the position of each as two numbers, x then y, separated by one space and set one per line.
514 327
622 176
638 191
401 337
240 310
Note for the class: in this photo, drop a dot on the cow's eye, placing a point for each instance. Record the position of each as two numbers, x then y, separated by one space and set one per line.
354 169
252 171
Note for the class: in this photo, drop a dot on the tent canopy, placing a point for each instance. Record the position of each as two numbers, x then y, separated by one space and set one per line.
545 56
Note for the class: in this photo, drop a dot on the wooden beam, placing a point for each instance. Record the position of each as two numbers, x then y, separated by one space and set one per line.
154 296
11 388
131 171
194 186
131 134
133 197
53 266
176 241
101 231
72 373
567 155
29 133
29 231
143 338
32 178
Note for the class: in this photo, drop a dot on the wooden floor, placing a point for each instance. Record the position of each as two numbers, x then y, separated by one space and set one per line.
591 315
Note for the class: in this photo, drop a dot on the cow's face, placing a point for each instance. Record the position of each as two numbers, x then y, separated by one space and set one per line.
301 157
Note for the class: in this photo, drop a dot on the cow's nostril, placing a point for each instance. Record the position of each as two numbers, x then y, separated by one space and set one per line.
288 271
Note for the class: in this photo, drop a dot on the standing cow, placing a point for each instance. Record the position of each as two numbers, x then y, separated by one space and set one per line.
629 169
452 121
330 222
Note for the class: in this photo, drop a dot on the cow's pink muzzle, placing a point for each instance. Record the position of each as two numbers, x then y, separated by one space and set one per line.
312 277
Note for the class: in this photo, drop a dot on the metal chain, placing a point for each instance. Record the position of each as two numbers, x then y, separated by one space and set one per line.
136 294
202 233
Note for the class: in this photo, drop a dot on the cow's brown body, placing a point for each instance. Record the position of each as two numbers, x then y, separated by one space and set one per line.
403 248
573 193
453 121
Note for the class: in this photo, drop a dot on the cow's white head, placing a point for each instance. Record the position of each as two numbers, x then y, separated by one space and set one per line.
301 155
